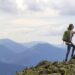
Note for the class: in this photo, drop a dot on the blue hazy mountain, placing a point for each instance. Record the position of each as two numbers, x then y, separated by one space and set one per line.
31 55
12 45
31 44
26 54
39 52
6 54
9 69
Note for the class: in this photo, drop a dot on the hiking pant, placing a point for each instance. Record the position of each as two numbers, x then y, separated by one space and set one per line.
69 46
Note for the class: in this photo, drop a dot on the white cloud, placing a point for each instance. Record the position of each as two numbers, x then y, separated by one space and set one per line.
25 29
65 7
8 6
27 6
35 20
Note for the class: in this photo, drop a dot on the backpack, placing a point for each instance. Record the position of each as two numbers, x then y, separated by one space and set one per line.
67 36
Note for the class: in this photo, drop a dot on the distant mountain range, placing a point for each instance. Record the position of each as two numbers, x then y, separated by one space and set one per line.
9 69
12 45
40 52
6 54
29 54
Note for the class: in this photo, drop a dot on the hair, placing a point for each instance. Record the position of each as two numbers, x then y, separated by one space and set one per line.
71 26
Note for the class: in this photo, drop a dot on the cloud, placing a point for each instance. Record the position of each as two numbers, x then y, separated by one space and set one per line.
37 19
20 5
8 6
26 6
33 5
65 7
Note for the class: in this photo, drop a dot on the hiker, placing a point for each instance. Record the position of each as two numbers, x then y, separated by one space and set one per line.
67 38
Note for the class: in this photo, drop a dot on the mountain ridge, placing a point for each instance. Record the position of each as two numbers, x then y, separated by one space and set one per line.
12 45
29 56
9 69
51 68
39 51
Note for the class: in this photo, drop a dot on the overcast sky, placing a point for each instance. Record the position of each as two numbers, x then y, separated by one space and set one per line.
35 20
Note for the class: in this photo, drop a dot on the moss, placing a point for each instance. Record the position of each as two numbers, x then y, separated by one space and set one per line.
51 68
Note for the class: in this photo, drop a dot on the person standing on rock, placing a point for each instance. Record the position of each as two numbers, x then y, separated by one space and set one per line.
67 38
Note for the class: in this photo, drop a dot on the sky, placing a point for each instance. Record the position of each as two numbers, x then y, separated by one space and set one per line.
35 20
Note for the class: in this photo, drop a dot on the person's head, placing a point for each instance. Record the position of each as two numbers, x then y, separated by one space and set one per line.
71 27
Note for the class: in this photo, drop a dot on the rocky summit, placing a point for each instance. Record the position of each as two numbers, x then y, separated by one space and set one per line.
51 68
